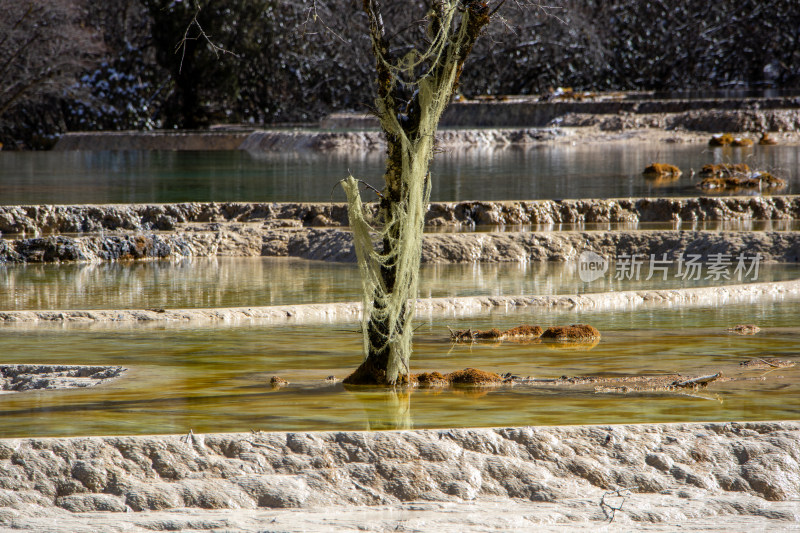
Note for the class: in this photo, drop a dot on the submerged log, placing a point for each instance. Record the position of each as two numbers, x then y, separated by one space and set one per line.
701 381
522 332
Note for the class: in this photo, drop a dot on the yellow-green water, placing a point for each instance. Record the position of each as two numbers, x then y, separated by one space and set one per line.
217 379
257 281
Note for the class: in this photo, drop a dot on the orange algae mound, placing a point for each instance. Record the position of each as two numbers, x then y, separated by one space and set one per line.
662 169
524 331
490 334
575 332
430 379
721 139
756 180
766 140
473 376
724 169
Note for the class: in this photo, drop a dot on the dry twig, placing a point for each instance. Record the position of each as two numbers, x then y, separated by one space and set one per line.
610 510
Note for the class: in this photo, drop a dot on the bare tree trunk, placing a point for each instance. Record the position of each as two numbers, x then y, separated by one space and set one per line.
409 122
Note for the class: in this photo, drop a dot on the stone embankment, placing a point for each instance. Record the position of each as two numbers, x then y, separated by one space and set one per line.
43 219
430 307
157 231
152 140
336 245
367 141
669 474
486 123
718 114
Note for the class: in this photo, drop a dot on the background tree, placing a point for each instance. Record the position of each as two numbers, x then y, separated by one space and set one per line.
289 69
43 47
198 76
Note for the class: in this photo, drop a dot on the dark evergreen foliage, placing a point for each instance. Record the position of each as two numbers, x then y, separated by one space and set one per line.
296 60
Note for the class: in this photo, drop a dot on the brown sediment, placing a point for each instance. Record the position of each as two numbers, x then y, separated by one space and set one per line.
756 180
574 332
723 139
662 170
745 329
367 373
724 169
278 382
473 376
524 330
766 363
467 376
491 334
742 141
430 379
767 140
770 180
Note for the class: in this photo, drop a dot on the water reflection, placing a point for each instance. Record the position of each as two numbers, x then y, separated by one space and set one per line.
261 281
502 173
385 409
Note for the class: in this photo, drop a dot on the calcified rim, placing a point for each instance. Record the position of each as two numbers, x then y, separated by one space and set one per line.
431 307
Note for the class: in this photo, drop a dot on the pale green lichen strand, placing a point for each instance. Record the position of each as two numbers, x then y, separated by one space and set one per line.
404 230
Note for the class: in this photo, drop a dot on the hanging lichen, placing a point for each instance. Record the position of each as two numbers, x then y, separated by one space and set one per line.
389 275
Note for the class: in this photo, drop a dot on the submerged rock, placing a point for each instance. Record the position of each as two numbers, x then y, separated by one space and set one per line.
27 377
277 382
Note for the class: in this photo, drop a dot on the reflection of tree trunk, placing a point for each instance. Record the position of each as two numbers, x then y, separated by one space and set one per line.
386 410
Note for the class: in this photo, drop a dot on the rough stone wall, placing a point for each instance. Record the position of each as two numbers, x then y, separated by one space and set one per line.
529 112
301 470
337 245
144 140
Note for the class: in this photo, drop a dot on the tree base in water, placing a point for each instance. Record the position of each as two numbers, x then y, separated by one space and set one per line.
368 374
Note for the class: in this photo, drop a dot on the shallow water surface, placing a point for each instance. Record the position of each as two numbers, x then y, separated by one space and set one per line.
512 173
217 379
261 281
